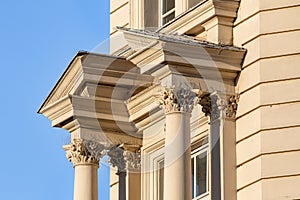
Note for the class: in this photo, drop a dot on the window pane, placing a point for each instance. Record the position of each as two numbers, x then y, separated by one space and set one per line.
168 18
167 5
201 169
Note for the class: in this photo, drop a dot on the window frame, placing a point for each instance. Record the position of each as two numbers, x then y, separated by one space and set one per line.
160 172
163 16
194 154
156 158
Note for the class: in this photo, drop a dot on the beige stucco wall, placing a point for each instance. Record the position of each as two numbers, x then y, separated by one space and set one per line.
268 154
119 14
114 185
268 123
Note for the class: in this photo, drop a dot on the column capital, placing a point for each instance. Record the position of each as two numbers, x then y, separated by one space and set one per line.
133 160
214 104
81 152
232 104
124 159
116 158
177 100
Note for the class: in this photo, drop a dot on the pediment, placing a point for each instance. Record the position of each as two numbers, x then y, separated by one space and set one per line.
88 72
92 92
66 84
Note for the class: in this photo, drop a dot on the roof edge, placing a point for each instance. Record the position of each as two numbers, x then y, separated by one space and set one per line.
78 54
180 39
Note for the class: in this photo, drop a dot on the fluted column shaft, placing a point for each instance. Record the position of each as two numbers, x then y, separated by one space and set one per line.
178 105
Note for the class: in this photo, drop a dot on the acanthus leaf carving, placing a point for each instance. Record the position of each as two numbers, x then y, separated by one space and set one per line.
205 101
133 160
78 153
96 149
232 105
177 100
214 104
116 158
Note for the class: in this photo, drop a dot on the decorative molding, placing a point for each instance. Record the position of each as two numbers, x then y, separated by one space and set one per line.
78 153
177 100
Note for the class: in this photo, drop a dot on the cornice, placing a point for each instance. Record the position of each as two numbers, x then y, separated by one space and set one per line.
84 100
227 59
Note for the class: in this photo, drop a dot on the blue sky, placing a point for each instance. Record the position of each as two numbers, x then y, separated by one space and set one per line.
38 39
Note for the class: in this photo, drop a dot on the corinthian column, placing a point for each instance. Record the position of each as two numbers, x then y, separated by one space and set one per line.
117 159
85 156
132 156
221 111
128 165
178 105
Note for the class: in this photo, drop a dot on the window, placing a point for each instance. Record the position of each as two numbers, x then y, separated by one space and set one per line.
199 172
167 11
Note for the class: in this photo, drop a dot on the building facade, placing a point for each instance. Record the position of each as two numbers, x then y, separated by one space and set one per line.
198 99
